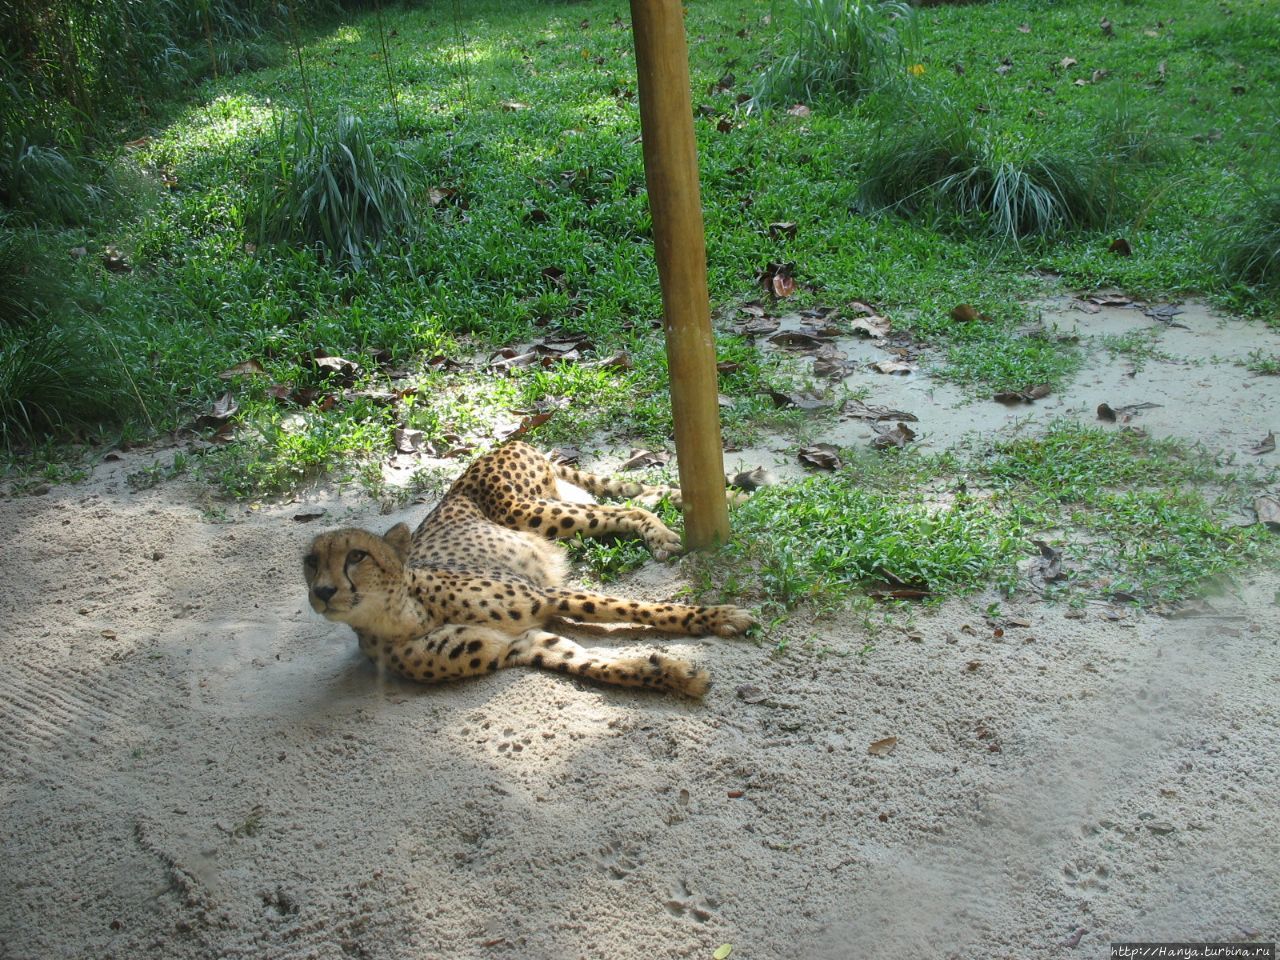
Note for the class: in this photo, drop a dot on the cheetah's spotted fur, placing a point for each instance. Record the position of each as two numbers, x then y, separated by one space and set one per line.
473 587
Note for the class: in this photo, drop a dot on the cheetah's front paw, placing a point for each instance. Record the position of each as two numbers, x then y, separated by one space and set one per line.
664 544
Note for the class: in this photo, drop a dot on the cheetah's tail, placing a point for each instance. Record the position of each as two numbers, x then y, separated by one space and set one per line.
614 488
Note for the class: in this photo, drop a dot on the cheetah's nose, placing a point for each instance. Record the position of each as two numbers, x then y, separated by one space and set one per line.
324 593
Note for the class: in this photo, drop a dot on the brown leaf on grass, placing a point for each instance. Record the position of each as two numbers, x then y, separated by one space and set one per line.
1164 312
619 361
1120 247
114 260
509 359
821 456
1266 445
554 274
1084 306
1107 29
777 278
967 313
1267 508
895 588
798 110
1024 28
512 106
248 368
782 229
723 85
801 399
640 459
1066 63
893 366
343 369
1025 395
899 435
857 410
1005 67
439 195
882 748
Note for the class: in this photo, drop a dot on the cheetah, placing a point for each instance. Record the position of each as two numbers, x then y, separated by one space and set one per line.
470 591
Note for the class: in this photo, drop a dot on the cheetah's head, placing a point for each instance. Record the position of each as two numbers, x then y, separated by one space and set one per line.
348 568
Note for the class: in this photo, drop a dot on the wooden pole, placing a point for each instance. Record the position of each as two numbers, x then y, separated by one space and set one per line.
671 171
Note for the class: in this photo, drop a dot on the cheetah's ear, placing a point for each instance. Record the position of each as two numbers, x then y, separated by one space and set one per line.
399 539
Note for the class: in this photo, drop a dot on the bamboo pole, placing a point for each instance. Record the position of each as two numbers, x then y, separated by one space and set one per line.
671 171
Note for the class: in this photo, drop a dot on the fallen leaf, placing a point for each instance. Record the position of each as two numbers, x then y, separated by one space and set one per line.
1084 306
524 426
114 260
875 327
799 110
1106 413
408 440
832 365
78 252
640 459
1266 445
781 229
797 340
801 400
966 313
1164 312
722 951
777 279
1267 508
882 748
1099 74
1049 564
308 517
1120 247
1105 25
1110 298
893 366
1066 63
822 456
223 407
972 665
1024 28
1006 65
248 368
513 106
1123 413
898 436
749 693
1025 395
857 410
340 367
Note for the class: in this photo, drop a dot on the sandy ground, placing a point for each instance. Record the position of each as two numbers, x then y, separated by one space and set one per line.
193 764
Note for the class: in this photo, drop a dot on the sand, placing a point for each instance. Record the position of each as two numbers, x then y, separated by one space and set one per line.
193 764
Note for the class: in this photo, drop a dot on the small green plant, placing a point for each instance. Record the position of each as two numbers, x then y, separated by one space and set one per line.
843 48
1247 245
946 168
329 188
1263 364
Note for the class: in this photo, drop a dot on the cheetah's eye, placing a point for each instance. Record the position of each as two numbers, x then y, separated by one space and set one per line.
311 560
355 556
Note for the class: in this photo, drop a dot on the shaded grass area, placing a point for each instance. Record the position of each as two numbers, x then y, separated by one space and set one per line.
519 131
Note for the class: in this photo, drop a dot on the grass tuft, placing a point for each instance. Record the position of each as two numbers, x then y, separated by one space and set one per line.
945 168
1247 245
843 48
329 188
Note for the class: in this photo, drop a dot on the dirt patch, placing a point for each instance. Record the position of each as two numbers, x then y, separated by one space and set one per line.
192 764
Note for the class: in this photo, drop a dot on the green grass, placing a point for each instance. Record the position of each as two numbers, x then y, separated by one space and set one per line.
524 180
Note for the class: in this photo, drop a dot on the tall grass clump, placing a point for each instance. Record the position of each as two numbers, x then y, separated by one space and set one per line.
842 48
944 168
329 188
41 184
1246 247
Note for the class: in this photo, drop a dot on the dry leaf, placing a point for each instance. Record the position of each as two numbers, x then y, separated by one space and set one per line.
1267 508
965 313
749 693
1266 445
1025 395
308 517
893 366
882 748
857 410
509 432
513 106
1066 63
249 368
801 400
749 480
899 435
799 110
409 441
781 229
1120 247
114 260
1049 564
875 327
797 340
821 456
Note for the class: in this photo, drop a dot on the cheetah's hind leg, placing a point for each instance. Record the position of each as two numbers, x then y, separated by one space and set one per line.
657 671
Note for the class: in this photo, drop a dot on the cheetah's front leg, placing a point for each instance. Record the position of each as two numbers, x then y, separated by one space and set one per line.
446 653
560 520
